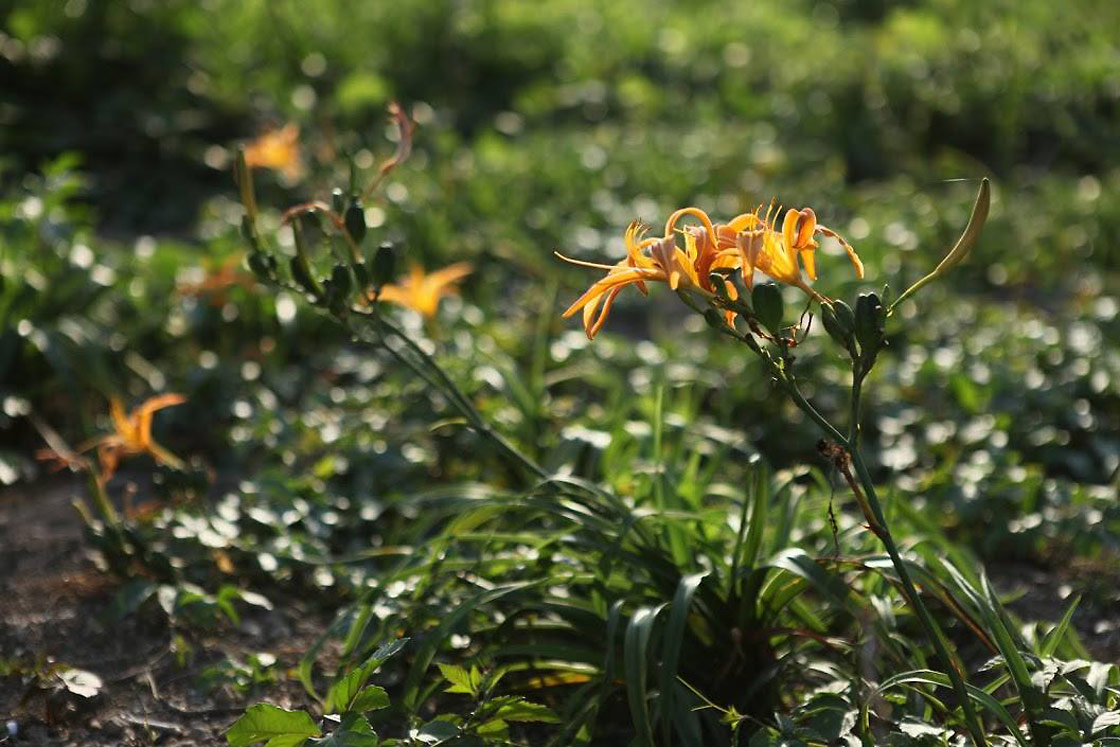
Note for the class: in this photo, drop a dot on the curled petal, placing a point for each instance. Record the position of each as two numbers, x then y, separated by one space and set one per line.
810 262
855 260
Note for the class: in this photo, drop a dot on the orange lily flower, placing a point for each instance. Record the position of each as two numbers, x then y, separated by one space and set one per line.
657 260
279 150
132 435
776 253
422 292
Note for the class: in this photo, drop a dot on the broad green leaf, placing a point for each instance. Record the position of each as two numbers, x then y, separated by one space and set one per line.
371 698
340 697
354 731
275 726
523 710
1105 721
437 732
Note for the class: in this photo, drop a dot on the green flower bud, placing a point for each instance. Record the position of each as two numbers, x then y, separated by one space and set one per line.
714 318
249 233
384 264
845 316
361 272
833 326
258 264
301 273
870 322
338 201
356 222
768 306
717 279
340 283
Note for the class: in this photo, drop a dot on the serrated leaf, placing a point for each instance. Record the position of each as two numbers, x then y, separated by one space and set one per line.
354 731
370 699
342 694
436 732
459 678
526 711
276 726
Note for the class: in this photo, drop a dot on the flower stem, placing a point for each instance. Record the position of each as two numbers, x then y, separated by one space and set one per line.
873 510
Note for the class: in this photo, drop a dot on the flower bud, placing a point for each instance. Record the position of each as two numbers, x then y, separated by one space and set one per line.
768 306
249 233
719 284
258 264
870 322
338 201
340 283
301 273
384 264
845 316
714 318
356 221
833 326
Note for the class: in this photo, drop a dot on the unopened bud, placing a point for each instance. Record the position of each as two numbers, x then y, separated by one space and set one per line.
356 222
258 265
870 322
833 326
384 264
340 283
301 273
768 306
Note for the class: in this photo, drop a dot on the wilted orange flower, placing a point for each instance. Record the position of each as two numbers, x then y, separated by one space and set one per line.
422 292
658 260
132 435
279 150
217 282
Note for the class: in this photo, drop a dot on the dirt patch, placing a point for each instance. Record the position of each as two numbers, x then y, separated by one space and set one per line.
1044 594
56 610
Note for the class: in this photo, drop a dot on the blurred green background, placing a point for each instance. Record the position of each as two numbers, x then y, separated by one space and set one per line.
547 126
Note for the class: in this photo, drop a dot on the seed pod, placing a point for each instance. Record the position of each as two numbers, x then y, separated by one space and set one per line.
768 306
384 264
870 321
356 221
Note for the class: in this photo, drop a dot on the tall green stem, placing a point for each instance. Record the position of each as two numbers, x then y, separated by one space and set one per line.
879 526
431 369
932 629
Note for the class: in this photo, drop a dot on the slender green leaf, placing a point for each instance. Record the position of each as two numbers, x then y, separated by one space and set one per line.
635 666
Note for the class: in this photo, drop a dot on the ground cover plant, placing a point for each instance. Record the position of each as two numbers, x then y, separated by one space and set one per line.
289 327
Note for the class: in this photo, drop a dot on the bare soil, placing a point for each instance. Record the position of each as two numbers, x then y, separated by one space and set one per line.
56 609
